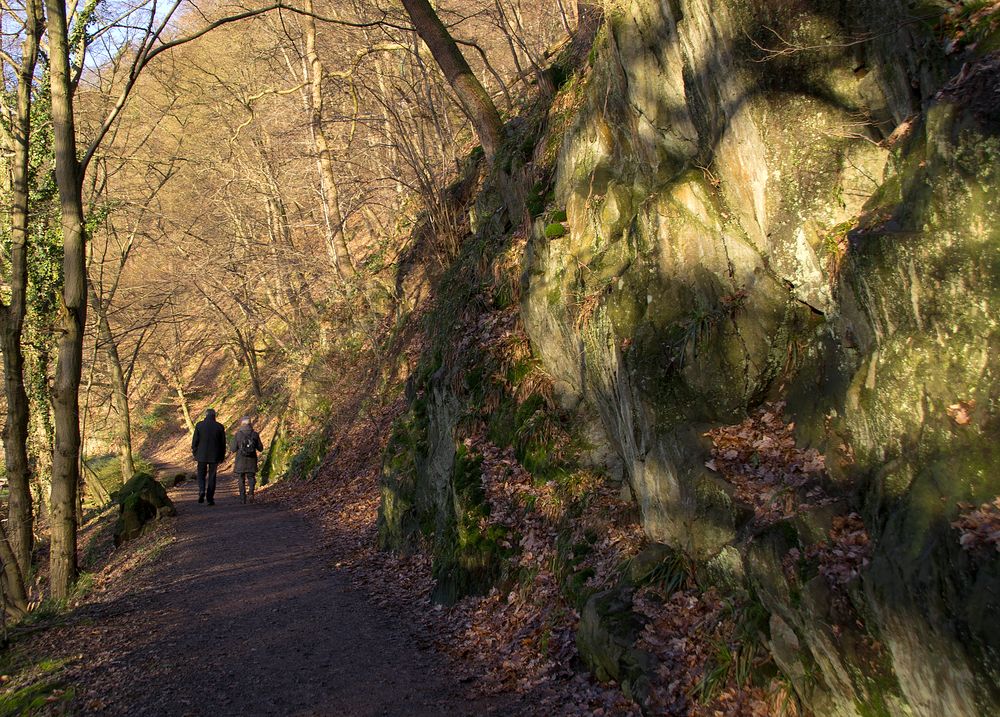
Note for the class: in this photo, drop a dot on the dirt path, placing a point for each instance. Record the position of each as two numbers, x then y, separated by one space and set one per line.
242 615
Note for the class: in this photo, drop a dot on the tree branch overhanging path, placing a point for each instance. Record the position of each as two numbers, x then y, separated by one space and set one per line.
474 99
152 44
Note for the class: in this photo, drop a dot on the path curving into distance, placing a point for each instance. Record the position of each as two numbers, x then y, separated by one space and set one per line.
244 615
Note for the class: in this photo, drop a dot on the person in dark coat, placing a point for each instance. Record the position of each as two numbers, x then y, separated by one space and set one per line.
209 448
245 445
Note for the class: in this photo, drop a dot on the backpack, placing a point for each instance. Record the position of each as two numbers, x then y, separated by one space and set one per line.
247 446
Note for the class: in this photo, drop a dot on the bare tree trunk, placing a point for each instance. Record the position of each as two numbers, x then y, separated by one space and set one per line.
393 162
94 485
564 18
16 440
281 235
337 241
185 410
72 313
249 353
119 386
84 414
12 316
41 437
516 34
16 598
475 101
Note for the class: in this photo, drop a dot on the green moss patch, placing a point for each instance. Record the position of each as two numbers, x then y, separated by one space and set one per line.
555 230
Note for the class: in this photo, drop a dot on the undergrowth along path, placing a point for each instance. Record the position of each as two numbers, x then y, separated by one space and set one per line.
244 615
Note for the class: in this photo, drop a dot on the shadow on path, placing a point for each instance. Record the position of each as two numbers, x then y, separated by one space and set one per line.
246 617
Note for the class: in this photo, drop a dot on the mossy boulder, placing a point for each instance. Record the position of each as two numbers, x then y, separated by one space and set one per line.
279 454
921 301
606 640
141 501
417 469
609 628
712 258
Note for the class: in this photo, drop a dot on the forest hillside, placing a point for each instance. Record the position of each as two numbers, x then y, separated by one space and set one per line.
635 357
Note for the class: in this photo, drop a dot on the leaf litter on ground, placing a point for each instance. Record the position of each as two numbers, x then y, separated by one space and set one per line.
770 473
521 639
979 527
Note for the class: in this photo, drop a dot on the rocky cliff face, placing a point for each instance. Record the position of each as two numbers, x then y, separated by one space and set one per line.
713 187
782 201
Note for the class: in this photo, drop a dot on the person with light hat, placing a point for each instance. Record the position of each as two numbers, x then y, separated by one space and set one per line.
245 445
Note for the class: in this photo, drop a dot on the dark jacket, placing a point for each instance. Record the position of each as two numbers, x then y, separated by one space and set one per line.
209 441
245 463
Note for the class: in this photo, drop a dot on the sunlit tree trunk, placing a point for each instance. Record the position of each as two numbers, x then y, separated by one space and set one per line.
119 386
12 315
185 410
72 312
337 240
41 440
248 354
392 163
288 281
475 100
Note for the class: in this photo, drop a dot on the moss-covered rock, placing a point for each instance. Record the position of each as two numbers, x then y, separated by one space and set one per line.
921 297
606 637
714 257
278 455
141 501
609 628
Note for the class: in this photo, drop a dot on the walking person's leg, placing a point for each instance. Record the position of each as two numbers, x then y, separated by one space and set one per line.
202 467
243 488
252 480
210 493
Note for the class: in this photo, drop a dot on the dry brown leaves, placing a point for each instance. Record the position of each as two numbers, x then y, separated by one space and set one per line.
87 640
691 634
520 642
679 632
843 557
760 458
524 640
961 412
979 527
965 24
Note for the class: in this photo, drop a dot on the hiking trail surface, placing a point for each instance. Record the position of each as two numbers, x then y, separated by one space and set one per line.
243 614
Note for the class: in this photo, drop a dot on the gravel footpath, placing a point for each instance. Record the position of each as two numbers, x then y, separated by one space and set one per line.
243 615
